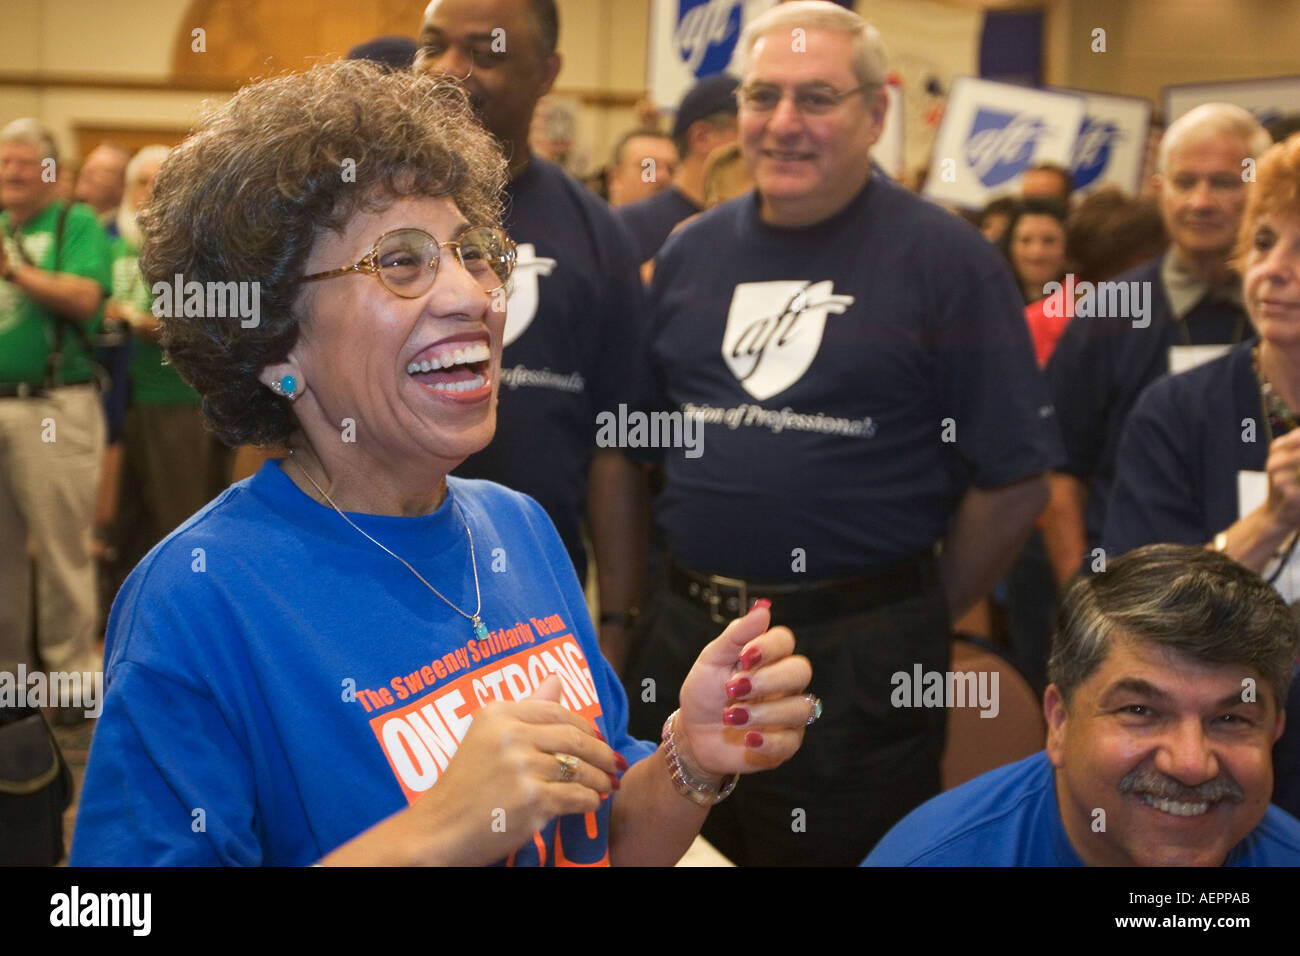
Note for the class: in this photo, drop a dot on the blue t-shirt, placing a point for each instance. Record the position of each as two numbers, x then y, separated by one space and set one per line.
1009 817
574 322
651 220
1101 365
277 684
854 379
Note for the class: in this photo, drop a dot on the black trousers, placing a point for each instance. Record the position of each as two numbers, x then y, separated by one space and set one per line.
861 768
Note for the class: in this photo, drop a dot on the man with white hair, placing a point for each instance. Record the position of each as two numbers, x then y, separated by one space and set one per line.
53 275
859 363
1101 365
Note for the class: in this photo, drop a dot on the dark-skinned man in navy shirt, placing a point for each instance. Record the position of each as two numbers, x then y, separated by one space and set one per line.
575 312
867 389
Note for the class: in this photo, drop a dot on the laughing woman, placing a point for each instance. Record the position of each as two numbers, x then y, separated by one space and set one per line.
351 657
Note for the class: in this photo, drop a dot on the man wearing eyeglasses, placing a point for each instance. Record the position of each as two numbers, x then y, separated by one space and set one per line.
575 312
867 388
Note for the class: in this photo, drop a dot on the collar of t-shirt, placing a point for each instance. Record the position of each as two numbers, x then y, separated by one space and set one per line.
1185 289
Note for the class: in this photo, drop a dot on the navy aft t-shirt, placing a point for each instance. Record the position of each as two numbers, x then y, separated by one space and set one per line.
574 322
651 220
1010 817
853 378
1100 367
1180 453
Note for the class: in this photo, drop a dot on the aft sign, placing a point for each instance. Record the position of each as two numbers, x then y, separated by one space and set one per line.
992 132
1112 142
692 39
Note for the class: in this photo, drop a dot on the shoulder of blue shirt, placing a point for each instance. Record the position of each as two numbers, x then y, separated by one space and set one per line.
936 832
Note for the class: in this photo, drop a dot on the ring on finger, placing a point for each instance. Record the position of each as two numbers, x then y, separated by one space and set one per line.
814 708
568 767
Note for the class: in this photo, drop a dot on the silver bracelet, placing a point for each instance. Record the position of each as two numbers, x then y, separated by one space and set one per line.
687 780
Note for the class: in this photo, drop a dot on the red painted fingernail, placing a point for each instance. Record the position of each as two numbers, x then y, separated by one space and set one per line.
601 736
753 739
761 602
735 717
749 660
620 763
613 781
739 688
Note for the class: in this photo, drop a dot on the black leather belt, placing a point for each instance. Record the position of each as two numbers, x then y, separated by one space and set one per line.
726 598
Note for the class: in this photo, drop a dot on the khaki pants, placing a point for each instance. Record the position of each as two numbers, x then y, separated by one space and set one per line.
50 451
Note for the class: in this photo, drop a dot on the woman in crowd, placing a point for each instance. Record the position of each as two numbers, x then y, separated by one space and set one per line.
1034 244
1212 456
351 657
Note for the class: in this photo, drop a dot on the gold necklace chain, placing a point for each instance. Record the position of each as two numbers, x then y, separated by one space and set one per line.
480 629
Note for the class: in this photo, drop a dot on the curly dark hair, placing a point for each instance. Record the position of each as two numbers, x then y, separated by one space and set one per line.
245 197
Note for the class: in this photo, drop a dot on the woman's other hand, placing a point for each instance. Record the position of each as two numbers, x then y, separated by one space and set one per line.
504 783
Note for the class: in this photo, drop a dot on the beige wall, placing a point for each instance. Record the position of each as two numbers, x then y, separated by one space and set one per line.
1152 43
122 38
603 43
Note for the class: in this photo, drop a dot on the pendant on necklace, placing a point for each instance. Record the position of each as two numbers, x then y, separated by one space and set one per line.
480 629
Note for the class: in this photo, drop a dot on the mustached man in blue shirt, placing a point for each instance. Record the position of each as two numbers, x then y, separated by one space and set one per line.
1169 675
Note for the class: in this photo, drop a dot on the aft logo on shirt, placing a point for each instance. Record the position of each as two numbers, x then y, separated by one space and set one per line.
522 304
774 330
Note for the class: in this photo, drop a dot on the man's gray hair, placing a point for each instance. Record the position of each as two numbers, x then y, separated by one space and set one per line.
869 59
1214 120
33 133
1197 602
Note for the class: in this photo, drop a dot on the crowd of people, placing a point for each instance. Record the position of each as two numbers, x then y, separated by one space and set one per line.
907 427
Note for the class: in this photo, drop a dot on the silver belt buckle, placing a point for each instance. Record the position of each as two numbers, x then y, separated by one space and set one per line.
715 599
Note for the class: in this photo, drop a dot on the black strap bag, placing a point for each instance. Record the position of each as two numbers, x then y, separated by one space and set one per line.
35 789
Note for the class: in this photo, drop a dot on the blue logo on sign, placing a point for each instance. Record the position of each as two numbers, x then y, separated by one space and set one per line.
1000 145
707 31
1092 150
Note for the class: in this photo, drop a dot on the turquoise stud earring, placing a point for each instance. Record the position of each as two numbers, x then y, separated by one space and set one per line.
286 387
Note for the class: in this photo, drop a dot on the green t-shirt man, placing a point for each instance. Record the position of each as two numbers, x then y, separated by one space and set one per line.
152 382
27 330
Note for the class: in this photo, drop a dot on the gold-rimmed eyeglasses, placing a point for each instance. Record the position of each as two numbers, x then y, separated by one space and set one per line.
406 260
